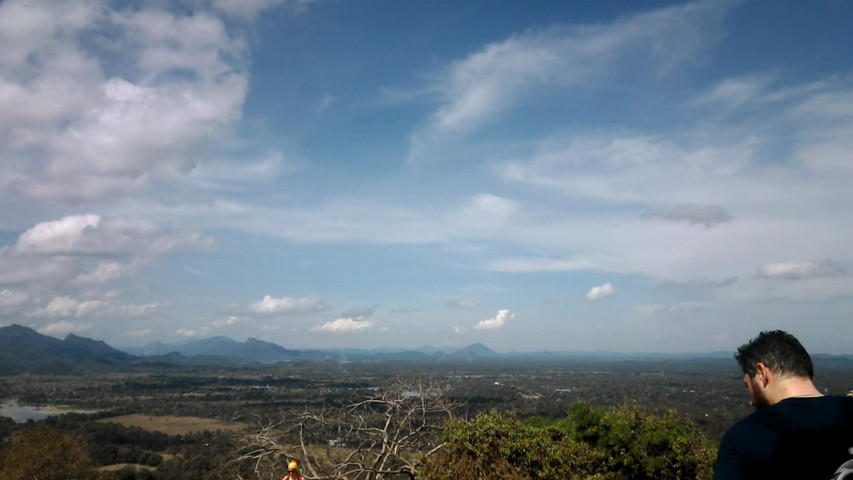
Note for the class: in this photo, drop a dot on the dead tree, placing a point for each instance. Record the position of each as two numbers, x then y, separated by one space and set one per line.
385 435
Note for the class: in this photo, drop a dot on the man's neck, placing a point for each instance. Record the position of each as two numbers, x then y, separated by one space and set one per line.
792 387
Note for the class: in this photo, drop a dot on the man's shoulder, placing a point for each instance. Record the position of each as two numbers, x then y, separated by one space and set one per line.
833 404
773 417
777 438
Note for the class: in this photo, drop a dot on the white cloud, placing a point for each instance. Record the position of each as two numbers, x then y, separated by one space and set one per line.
230 321
827 150
92 235
135 311
817 115
12 302
492 206
733 93
107 272
602 291
344 325
76 125
498 321
59 307
69 307
708 215
64 327
532 265
484 86
633 169
799 270
189 332
236 173
81 250
287 305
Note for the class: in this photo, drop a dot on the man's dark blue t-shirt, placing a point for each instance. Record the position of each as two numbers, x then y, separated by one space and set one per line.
797 438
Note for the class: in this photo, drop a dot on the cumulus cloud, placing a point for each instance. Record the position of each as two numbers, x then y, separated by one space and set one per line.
800 270
12 302
90 235
344 325
287 305
87 249
59 307
498 321
76 125
708 215
602 291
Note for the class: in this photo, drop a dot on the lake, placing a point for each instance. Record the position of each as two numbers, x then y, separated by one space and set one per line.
22 413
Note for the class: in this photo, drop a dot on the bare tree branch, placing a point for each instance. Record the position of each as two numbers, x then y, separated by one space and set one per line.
384 435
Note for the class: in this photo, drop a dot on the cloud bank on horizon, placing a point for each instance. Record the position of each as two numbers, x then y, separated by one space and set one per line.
643 176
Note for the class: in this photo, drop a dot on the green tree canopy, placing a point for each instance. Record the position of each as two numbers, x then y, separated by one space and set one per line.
627 442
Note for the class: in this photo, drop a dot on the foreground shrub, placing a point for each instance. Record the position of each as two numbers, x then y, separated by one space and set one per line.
43 454
627 442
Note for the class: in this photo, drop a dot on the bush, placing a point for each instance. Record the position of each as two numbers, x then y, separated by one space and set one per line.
627 442
44 454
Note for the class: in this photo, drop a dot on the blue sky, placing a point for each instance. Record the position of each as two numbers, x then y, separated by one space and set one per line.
623 176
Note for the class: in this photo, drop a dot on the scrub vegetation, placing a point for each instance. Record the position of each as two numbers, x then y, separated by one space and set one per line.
364 421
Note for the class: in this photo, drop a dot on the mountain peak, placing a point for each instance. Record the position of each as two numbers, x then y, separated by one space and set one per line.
478 349
23 349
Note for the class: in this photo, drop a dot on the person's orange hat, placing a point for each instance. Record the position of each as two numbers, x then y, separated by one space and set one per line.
292 466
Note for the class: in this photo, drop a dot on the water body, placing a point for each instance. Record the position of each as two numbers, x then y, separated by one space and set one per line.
22 413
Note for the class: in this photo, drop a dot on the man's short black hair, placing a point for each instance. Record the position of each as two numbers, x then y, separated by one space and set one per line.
780 351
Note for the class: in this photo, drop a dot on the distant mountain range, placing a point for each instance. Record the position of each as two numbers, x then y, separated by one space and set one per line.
252 350
24 350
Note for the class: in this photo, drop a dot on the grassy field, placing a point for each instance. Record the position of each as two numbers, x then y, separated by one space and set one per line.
118 466
171 425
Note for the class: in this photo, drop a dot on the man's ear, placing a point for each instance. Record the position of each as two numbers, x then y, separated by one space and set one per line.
762 373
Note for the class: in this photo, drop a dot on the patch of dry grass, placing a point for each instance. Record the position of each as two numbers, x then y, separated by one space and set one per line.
119 466
171 425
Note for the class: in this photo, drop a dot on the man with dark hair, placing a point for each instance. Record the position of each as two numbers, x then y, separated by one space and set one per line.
795 431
